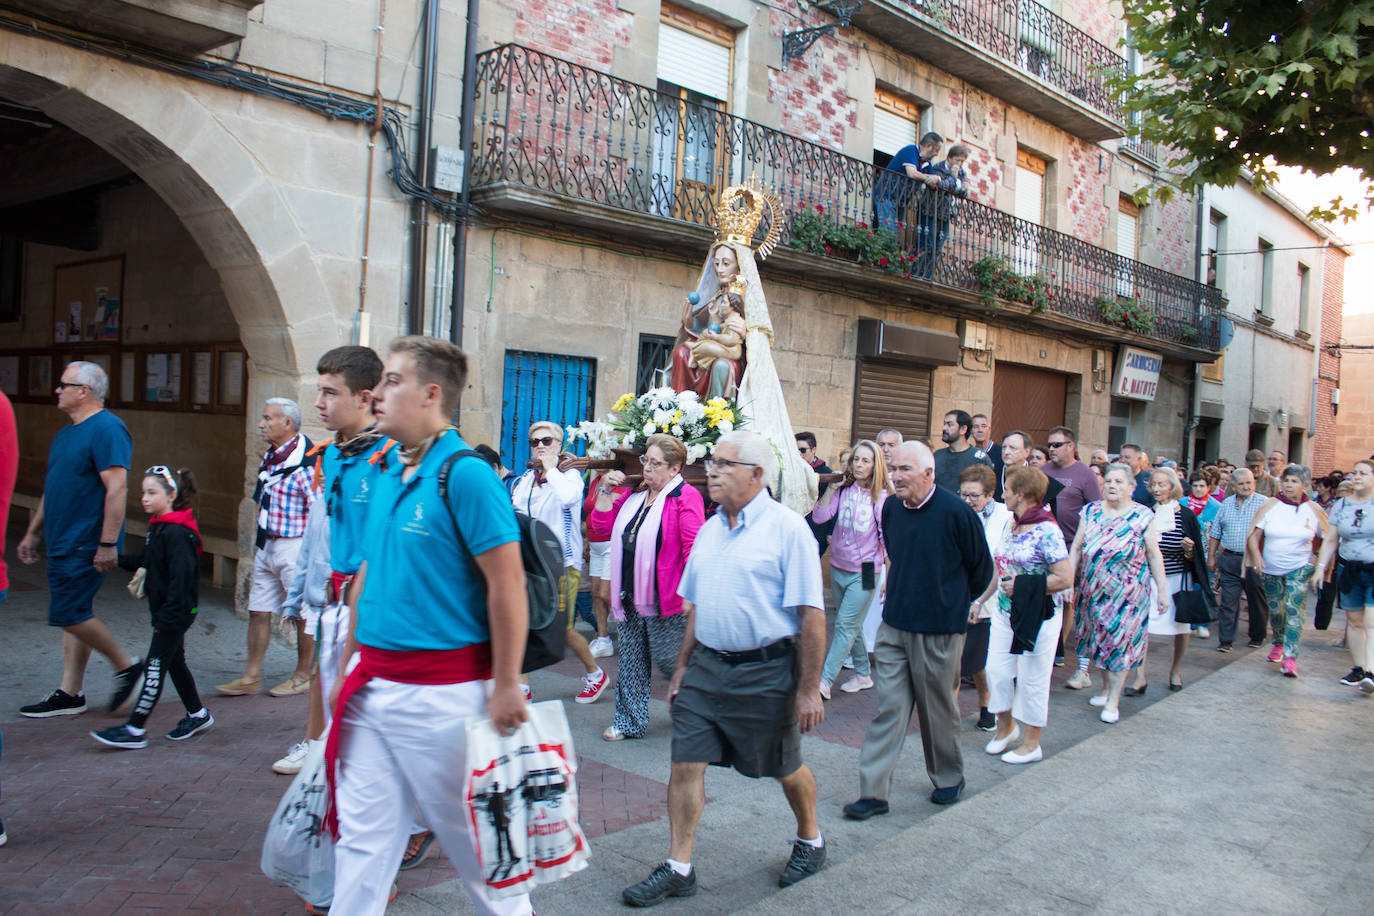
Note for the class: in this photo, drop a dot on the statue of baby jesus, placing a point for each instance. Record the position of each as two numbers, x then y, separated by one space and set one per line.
725 330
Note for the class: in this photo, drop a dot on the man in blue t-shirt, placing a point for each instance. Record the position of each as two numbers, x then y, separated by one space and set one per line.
894 193
81 521
440 608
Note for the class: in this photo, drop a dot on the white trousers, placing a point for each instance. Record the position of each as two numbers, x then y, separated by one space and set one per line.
873 617
403 748
1029 700
331 633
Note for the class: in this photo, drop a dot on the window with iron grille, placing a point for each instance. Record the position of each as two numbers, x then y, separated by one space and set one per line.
655 351
543 386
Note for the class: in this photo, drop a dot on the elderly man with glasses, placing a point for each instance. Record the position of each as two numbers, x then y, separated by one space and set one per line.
81 520
555 498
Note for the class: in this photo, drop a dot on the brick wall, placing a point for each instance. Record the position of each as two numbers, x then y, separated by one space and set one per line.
585 32
1083 179
1351 423
811 91
1174 242
1095 17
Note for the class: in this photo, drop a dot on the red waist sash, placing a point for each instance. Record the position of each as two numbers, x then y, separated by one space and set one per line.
430 666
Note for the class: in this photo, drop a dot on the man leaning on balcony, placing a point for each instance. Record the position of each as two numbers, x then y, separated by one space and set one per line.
914 162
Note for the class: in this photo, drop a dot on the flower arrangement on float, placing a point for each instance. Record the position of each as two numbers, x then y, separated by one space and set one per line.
632 420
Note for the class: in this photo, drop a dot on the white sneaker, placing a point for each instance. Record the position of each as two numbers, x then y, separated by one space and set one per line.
1202 633
290 765
857 683
601 647
1079 680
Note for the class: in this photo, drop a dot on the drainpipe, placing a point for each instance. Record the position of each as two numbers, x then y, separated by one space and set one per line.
419 210
460 235
1194 389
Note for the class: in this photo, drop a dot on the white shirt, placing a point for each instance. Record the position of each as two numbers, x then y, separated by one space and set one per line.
558 504
1288 533
748 582
997 521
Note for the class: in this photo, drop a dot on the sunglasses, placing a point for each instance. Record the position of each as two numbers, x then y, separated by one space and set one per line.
64 385
724 464
161 470
542 440
1055 444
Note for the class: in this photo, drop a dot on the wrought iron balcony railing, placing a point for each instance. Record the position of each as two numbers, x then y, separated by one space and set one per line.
1141 149
552 126
1027 34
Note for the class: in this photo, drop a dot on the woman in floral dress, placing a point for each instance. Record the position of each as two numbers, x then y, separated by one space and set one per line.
1110 554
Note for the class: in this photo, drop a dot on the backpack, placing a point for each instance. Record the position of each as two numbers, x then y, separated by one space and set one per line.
540 551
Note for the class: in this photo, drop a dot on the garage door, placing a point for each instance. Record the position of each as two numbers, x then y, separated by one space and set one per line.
1027 399
892 394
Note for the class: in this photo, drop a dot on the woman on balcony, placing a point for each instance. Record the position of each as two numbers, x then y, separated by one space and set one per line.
651 535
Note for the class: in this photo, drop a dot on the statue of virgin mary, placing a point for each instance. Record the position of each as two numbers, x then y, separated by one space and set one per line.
730 290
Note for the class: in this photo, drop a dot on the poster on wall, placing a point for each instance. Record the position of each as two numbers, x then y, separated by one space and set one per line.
9 375
154 376
40 375
74 322
86 300
231 378
202 365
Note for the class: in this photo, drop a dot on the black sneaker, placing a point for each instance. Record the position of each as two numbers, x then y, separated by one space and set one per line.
987 721
56 703
1254 643
126 682
1224 647
661 884
865 808
1354 677
413 859
804 862
189 725
120 736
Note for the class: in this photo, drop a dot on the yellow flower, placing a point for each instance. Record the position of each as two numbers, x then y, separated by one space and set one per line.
624 401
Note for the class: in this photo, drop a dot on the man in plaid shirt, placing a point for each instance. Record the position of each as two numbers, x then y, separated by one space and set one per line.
284 495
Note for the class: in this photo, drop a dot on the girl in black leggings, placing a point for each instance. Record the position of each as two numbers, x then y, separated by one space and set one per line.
171 559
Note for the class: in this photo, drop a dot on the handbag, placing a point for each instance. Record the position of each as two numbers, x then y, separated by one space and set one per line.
1190 604
522 800
136 586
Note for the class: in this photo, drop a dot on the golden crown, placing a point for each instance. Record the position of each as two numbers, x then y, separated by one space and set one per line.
741 210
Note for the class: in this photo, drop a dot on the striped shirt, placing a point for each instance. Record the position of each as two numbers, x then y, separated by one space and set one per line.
1232 521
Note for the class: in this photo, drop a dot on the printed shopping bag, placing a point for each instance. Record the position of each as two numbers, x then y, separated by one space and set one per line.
298 850
521 792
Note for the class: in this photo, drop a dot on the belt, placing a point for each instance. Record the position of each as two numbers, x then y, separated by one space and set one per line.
767 653
1234 553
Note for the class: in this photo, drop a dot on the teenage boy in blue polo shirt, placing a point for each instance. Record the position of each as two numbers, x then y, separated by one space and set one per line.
440 608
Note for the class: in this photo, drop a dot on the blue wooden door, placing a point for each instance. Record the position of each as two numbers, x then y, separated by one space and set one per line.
543 386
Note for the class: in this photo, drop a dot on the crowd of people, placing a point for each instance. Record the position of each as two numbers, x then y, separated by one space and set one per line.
397 564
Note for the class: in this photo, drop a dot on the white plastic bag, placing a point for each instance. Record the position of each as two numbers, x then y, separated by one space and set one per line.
298 850
521 792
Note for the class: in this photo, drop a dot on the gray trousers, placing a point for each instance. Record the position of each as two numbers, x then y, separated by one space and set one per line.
920 672
1232 584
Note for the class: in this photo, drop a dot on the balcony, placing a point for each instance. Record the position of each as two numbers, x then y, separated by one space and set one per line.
184 27
1016 50
569 145
1144 150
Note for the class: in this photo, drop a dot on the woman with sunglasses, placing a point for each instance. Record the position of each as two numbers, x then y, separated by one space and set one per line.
651 535
1351 537
171 565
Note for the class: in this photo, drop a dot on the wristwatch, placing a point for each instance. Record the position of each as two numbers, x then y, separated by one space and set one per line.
108 544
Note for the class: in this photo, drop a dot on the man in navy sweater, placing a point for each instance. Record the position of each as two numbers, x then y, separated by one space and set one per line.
940 562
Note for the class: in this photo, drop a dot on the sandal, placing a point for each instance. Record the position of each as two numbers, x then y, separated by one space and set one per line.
615 734
239 687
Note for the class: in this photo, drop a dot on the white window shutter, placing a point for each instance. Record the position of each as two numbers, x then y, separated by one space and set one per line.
1030 196
693 63
892 132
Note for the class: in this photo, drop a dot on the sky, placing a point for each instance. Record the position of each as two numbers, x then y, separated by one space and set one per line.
1307 190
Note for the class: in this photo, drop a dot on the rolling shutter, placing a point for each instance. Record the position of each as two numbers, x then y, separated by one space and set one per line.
892 132
1030 188
1127 220
693 62
892 394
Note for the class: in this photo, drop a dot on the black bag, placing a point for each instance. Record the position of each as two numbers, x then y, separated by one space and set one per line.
541 553
1191 605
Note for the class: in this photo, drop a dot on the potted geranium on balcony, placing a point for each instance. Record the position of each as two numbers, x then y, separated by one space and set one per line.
819 232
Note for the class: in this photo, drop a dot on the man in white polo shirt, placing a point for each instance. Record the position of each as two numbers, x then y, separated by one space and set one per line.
747 681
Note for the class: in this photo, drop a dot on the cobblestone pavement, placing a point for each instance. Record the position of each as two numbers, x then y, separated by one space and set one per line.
179 826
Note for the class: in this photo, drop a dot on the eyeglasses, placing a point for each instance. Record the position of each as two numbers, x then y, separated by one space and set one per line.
161 470
970 497
803 449
1359 518
62 385
542 440
1055 444
649 464
724 464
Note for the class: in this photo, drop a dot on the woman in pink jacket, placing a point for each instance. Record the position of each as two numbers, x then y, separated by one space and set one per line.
652 531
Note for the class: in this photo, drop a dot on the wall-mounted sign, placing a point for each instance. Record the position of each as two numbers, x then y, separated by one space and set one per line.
1137 374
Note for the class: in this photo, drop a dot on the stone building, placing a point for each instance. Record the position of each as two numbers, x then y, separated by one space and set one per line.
1354 374
206 196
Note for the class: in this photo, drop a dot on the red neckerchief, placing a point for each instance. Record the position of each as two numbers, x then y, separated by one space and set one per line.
1033 516
1196 505
1287 501
276 456
179 517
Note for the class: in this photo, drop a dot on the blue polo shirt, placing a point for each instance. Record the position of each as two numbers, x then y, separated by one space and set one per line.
423 590
73 493
349 482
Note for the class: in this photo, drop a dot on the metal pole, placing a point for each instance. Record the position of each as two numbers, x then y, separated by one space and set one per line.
460 236
419 210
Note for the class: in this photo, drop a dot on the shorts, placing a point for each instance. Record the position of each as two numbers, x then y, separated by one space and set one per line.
1356 586
567 593
741 716
975 657
273 566
72 584
599 564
